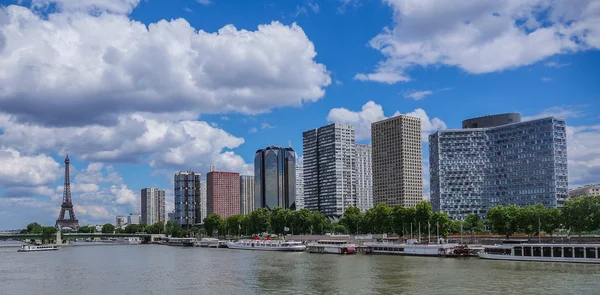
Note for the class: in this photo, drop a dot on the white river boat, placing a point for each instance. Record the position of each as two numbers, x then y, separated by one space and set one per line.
331 247
38 248
268 245
576 253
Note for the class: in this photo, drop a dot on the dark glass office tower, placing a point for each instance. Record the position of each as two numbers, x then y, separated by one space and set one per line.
275 178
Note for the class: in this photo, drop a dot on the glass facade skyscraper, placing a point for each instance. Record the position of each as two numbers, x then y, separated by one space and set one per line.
275 178
188 202
519 163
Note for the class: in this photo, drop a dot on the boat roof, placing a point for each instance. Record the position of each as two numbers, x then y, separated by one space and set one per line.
543 245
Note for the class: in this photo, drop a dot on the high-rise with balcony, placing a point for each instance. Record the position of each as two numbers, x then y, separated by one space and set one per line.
364 177
275 178
188 202
397 161
498 160
299 186
153 205
222 193
329 181
246 194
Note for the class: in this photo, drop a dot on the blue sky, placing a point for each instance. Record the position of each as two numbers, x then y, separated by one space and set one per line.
137 90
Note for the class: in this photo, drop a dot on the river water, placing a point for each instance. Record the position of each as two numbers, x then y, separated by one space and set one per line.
156 269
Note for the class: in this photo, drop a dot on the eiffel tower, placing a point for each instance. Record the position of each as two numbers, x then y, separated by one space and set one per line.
67 205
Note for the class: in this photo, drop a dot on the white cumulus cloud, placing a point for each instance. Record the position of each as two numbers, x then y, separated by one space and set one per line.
74 68
481 36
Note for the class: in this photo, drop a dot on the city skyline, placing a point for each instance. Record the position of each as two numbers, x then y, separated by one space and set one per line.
127 134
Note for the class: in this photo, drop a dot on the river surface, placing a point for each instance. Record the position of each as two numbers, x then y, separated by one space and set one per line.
156 269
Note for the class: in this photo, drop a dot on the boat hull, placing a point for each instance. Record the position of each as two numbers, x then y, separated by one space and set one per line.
299 248
538 259
33 249
331 250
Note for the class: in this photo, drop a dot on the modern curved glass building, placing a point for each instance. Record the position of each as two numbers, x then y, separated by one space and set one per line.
520 163
275 178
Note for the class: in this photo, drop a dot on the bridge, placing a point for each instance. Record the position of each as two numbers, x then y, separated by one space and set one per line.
60 237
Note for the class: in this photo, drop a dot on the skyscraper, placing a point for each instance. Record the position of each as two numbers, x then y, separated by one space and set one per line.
275 178
246 194
299 186
202 202
364 177
498 160
153 205
223 193
397 161
188 203
329 183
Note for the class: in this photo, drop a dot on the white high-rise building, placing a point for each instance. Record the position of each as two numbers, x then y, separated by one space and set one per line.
397 161
364 178
246 194
153 205
299 186
329 181
133 218
121 221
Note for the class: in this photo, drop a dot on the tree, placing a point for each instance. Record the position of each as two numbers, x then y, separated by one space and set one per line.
48 232
301 221
441 223
351 219
108 228
173 229
503 220
379 218
455 226
156 228
280 219
582 214
212 223
551 220
529 218
339 228
233 224
260 221
473 223
423 214
319 223
402 218
34 227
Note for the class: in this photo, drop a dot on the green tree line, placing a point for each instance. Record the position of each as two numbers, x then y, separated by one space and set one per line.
263 220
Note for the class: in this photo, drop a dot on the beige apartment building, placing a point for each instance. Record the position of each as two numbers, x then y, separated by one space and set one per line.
587 190
397 161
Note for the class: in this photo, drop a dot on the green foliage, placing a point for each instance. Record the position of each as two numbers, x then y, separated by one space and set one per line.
423 212
582 214
233 224
379 219
455 226
339 228
108 228
86 229
157 228
173 229
301 221
551 220
280 218
319 223
260 221
473 224
34 228
48 232
351 219
212 223
441 223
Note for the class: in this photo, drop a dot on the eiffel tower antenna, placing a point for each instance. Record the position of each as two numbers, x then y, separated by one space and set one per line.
67 204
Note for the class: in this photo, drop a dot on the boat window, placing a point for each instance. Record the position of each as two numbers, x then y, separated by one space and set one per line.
590 252
526 251
568 252
518 251
547 252
557 251
537 251
579 252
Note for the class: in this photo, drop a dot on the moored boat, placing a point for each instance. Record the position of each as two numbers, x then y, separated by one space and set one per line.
415 249
186 242
268 245
331 247
38 248
577 253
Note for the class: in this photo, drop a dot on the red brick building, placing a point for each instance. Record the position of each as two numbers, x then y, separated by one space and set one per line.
223 193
